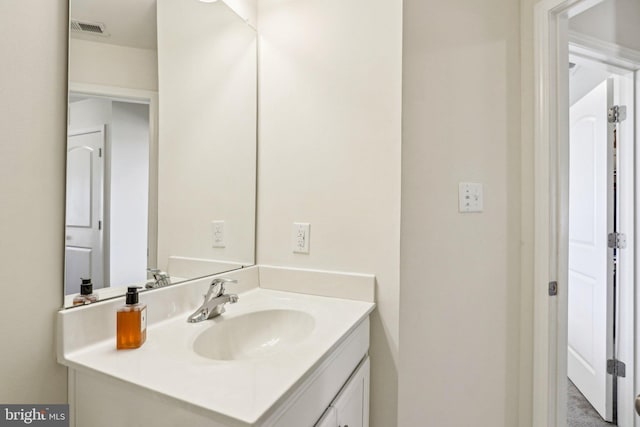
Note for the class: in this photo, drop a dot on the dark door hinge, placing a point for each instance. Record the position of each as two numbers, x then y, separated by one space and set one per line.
617 240
616 368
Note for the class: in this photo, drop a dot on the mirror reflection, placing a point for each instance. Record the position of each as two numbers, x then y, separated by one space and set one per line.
161 148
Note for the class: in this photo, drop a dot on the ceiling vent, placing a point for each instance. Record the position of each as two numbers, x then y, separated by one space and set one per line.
93 28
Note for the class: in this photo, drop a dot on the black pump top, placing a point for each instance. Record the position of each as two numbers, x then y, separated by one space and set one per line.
132 295
86 288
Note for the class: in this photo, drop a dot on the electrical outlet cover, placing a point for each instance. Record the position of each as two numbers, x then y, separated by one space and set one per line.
300 237
217 234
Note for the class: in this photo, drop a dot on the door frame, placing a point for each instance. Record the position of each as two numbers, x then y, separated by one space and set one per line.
551 157
150 98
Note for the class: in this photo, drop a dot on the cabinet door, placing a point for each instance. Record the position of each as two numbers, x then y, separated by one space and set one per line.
328 419
352 404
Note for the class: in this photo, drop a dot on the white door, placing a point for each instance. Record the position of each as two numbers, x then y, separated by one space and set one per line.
590 313
84 215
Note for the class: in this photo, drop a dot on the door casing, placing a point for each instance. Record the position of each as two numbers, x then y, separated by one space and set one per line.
551 37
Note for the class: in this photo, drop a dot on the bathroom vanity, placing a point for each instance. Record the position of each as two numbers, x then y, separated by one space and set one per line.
275 358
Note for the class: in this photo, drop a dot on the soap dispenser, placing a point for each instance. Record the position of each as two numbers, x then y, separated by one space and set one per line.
131 322
86 293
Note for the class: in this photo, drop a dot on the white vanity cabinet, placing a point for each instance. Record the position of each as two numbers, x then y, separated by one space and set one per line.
351 407
169 381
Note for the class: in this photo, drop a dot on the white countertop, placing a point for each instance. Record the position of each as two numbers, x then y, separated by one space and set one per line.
241 389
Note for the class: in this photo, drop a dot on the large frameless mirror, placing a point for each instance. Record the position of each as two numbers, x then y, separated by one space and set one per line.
161 148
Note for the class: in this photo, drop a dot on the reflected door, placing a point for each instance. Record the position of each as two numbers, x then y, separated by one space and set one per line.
590 314
84 252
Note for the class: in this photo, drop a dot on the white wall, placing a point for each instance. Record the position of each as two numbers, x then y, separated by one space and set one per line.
29 371
89 113
247 9
207 136
460 291
129 198
112 65
329 153
32 179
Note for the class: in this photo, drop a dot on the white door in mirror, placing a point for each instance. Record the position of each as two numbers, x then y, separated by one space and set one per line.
84 204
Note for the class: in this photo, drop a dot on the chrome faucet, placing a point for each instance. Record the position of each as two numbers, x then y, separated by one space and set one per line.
214 301
160 279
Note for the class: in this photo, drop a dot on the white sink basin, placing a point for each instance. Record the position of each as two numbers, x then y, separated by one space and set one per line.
254 335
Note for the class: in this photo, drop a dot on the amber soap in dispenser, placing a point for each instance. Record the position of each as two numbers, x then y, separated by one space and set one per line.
86 293
131 322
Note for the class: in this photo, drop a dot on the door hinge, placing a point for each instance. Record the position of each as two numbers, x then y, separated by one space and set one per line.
553 288
99 225
99 152
617 240
617 114
616 368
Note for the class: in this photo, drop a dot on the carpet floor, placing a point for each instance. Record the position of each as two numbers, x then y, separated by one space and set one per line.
580 413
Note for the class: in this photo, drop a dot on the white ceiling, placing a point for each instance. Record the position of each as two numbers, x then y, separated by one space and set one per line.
615 21
129 22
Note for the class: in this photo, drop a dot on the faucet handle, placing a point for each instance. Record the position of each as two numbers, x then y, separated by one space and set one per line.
218 281
155 272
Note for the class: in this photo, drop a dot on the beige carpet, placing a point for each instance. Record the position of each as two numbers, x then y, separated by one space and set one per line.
580 413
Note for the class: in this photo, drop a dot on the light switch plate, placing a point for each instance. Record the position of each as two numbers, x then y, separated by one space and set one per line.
300 237
470 195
